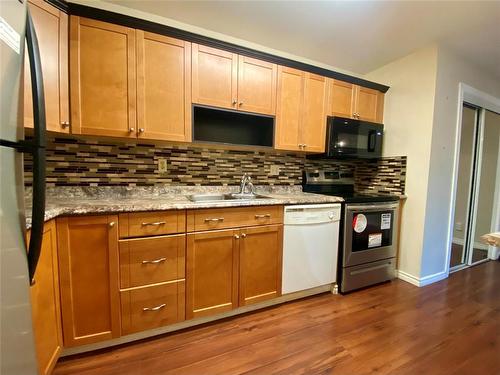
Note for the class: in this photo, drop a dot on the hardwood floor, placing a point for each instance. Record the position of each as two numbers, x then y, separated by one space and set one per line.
451 327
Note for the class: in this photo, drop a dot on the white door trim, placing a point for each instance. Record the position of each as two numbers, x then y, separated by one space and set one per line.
484 100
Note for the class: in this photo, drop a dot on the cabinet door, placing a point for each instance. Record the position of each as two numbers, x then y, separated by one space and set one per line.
163 87
214 75
88 261
45 302
103 78
288 110
367 104
314 113
211 273
261 252
342 98
51 27
257 86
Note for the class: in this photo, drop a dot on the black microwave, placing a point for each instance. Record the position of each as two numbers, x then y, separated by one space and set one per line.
348 138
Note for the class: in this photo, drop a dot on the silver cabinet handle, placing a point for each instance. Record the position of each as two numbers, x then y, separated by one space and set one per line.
214 220
111 224
65 124
156 308
262 216
156 261
241 103
235 102
131 130
243 235
141 130
236 236
156 223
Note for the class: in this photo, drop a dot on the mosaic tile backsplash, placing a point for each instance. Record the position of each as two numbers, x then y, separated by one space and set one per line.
75 161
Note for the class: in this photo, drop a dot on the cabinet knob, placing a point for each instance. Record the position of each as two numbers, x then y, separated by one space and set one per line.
65 124
131 130
241 103
235 102
243 235
111 224
236 236
141 130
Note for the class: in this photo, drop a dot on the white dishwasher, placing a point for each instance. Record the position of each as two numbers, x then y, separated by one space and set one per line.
310 246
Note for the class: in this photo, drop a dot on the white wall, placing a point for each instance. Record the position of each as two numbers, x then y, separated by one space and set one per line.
408 119
451 70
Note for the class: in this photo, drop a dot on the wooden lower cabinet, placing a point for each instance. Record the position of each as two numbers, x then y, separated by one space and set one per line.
152 306
260 263
211 273
231 268
45 303
89 278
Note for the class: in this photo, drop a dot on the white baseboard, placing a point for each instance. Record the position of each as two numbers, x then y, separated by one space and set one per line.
421 281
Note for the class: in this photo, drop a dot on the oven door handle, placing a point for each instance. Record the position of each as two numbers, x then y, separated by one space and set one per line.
371 208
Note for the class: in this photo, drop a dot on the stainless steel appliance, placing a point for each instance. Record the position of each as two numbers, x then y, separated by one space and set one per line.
369 229
18 264
348 138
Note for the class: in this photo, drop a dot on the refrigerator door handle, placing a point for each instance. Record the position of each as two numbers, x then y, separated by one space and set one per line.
38 149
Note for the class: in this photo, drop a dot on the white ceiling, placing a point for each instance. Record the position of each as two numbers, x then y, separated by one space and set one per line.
358 36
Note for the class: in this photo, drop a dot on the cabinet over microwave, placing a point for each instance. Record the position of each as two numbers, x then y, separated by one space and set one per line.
348 138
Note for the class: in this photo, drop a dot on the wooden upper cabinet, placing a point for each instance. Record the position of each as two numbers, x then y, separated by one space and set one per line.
288 110
256 85
163 87
260 263
356 102
369 104
315 111
45 302
342 97
89 278
103 78
301 112
214 77
227 80
51 26
211 273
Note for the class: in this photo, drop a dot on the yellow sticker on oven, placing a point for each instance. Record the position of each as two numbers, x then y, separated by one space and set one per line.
374 240
359 223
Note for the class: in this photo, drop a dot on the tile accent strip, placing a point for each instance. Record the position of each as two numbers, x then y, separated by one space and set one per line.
79 161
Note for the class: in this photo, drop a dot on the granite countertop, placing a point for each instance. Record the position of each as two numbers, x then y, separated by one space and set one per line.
93 200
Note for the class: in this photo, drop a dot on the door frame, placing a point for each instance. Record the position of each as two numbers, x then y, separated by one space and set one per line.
481 99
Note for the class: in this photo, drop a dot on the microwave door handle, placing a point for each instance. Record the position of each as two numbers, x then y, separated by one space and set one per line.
372 140
37 148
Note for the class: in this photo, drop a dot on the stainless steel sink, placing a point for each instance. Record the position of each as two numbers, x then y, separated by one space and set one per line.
224 197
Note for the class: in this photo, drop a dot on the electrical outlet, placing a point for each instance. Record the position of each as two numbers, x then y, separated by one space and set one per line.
162 165
275 170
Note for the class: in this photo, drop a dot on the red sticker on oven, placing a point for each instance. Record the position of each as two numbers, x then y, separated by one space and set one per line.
359 223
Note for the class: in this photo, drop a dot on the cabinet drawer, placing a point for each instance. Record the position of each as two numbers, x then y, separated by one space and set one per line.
137 224
221 218
152 306
152 260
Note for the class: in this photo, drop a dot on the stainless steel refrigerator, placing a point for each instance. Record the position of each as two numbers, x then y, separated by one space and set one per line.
17 261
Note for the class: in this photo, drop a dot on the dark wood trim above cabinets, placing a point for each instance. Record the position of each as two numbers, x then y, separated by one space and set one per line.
137 23
62 5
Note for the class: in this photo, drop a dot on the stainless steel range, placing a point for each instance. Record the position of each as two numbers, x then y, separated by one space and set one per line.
369 229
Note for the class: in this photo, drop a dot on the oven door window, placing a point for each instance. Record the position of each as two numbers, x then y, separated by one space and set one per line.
372 230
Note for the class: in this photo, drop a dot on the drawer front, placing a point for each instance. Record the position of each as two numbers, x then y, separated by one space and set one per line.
152 306
152 260
140 224
233 217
